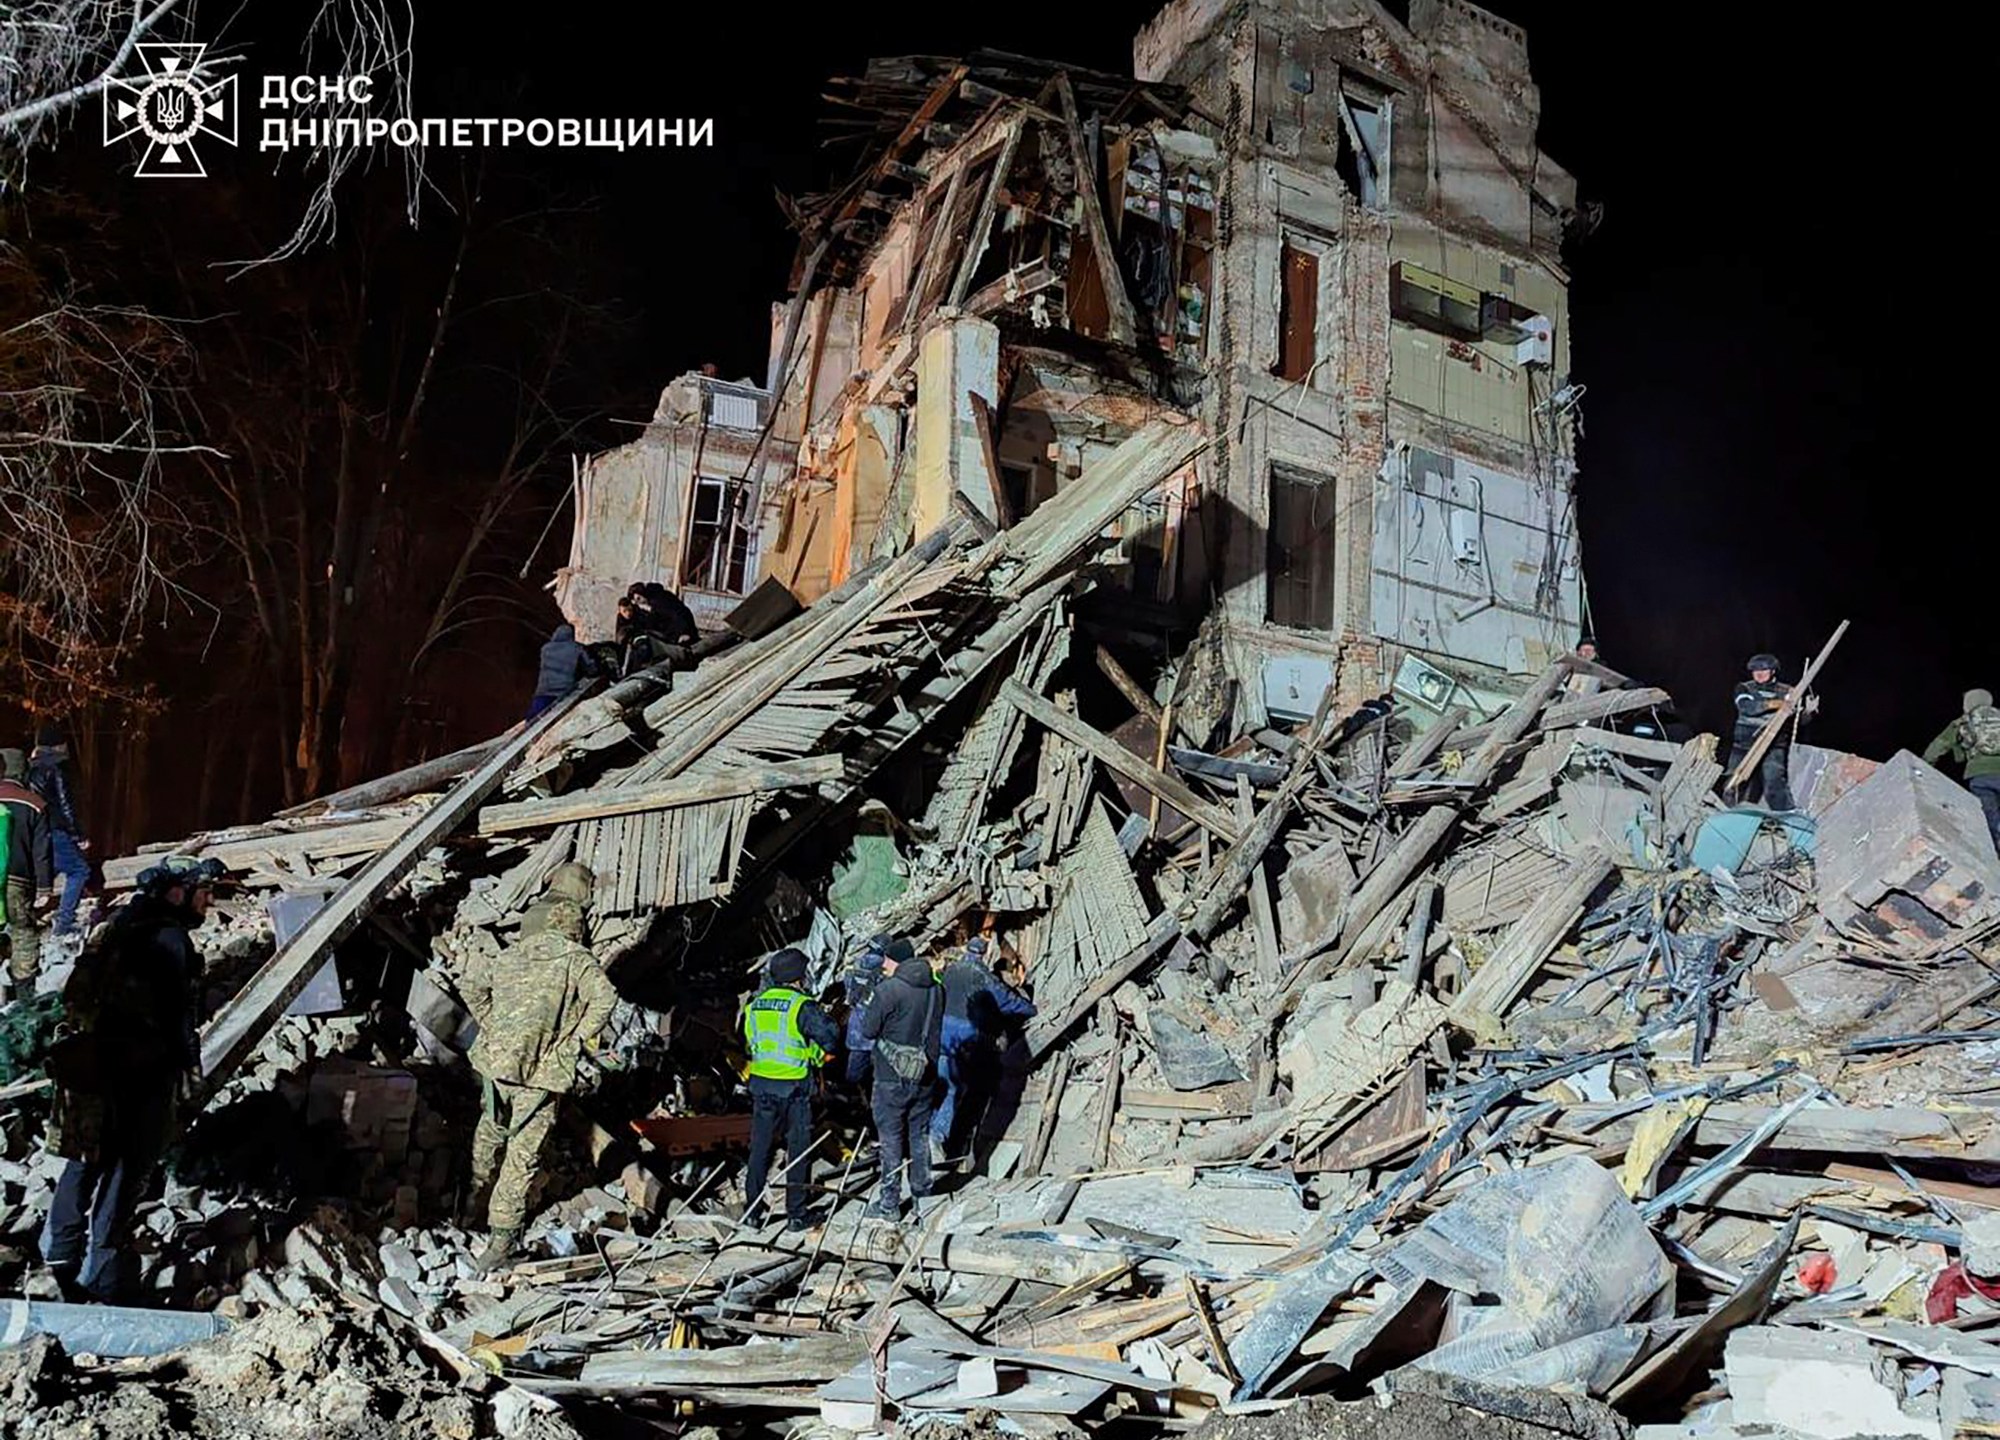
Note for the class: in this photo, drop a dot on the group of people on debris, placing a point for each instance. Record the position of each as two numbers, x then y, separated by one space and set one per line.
923 1041
654 624
46 857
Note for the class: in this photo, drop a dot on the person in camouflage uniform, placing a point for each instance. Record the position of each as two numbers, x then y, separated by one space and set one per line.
539 1004
126 1055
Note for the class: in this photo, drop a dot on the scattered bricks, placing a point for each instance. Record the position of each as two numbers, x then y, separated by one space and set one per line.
400 1263
397 1294
643 1190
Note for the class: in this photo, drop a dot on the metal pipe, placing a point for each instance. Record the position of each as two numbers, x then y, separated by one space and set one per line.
108 1330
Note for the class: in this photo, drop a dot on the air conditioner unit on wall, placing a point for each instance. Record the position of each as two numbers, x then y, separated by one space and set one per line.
1539 346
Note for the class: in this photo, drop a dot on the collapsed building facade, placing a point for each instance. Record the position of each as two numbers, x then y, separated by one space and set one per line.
1125 440
1328 236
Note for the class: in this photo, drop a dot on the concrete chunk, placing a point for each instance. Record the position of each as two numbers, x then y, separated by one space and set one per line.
1830 1386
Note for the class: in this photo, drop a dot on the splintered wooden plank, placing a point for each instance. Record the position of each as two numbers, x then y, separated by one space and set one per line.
1512 965
1116 757
240 1025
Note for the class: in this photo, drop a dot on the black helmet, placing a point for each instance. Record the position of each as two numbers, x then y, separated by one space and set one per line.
181 870
1763 662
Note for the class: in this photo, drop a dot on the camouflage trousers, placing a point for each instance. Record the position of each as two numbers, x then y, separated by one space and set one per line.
514 1125
25 961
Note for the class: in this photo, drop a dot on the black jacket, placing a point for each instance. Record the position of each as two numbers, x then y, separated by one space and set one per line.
564 663
30 856
1751 716
908 1009
49 778
137 989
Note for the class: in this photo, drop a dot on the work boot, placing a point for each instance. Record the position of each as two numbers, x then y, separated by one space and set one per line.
799 1222
884 1208
498 1248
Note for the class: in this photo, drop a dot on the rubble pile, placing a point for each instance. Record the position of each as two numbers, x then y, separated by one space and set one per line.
1396 1048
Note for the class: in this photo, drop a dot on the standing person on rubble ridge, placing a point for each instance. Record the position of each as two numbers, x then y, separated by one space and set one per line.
27 861
127 1054
1973 742
48 776
788 1036
540 1004
1756 700
977 1006
904 1025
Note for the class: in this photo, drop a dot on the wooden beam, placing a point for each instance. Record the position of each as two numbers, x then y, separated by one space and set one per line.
1116 757
1124 321
1636 746
1131 689
1769 734
982 221
241 1023
364 837
387 789
1513 964
1426 746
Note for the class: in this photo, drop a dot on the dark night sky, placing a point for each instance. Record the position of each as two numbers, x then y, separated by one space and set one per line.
1745 319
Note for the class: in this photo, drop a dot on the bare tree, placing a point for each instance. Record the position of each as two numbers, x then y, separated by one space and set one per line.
91 410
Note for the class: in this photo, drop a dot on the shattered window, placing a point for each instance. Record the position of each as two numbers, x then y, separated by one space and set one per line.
718 549
1299 562
1363 160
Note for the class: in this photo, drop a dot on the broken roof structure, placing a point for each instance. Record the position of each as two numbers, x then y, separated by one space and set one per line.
1153 549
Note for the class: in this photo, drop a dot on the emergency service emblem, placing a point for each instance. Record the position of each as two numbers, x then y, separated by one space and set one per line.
174 104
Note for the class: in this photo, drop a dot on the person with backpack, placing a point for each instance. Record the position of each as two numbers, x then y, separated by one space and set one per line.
27 860
1973 743
903 1027
49 777
127 1055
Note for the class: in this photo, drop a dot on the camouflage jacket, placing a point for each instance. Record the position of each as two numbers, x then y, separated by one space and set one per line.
538 1003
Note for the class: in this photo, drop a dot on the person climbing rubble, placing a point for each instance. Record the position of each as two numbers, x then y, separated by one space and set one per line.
540 1004
879 957
978 1004
1756 700
788 1037
126 1056
28 858
904 1025
564 665
1972 742
49 777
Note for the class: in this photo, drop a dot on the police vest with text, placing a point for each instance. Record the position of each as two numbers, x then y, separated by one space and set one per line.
778 1049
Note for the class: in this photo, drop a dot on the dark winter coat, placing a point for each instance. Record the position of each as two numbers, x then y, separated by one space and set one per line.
30 855
565 663
48 776
1751 712
908 1009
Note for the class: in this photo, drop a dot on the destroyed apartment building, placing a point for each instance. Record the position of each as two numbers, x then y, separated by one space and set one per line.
1154 551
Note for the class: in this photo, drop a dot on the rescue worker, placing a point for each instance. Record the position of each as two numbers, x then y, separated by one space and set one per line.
977 1007
1756 699
1973 743
27 862
49 777
904 1027
564 665
1586 650
880 957
788 1036
540 1004
127 1054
